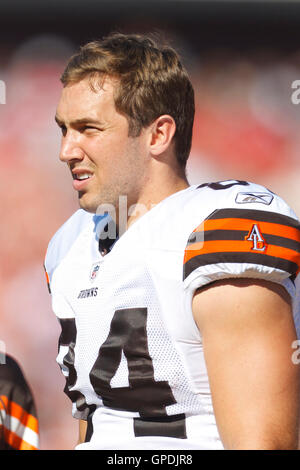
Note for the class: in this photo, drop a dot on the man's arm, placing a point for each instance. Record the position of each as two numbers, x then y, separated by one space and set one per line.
247 330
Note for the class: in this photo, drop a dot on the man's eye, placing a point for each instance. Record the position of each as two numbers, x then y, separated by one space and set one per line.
90 129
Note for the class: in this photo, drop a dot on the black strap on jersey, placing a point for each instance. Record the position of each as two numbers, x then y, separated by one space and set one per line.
108 237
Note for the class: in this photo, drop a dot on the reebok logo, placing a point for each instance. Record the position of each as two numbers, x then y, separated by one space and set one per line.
246 198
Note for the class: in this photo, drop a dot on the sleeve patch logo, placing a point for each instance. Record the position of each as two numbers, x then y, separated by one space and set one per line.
255 236
246 198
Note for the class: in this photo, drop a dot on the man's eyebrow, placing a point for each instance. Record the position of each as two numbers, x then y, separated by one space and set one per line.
77 122
58 121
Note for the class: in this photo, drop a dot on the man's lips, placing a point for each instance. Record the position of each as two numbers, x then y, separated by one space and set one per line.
81 178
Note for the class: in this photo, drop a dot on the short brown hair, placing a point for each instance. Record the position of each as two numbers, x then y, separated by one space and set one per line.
152 82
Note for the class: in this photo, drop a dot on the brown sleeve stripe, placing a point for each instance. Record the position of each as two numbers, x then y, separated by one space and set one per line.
214 235
259 216
241 247
249 258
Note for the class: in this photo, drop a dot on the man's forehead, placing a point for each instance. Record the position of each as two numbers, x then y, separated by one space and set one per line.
81 97
92 85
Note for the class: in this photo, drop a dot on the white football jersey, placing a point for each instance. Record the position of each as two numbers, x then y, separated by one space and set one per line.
129 348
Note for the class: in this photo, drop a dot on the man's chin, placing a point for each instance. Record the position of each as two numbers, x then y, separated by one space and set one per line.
85 204
97 205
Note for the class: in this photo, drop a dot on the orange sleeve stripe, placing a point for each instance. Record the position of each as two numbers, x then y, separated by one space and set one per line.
47 277
16 442
202 248
245 225
15 410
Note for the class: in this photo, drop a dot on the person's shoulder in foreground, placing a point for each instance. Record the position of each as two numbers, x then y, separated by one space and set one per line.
19 429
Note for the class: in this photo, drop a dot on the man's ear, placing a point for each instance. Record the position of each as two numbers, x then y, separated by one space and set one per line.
162 133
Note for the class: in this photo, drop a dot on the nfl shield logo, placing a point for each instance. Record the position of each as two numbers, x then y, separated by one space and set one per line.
94 271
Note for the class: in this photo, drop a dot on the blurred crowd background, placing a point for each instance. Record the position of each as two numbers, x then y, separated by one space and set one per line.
242 57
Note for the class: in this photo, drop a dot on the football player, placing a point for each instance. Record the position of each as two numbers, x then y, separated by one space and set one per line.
176 302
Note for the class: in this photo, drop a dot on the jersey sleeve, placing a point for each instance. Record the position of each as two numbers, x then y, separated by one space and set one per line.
236 242
19 429
62 241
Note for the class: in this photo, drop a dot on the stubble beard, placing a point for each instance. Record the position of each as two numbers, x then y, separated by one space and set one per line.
112 197
114 200
99 203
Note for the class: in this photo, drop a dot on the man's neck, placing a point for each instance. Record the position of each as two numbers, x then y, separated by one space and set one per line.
150 198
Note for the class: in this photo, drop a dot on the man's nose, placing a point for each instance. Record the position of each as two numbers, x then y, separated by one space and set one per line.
70 149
